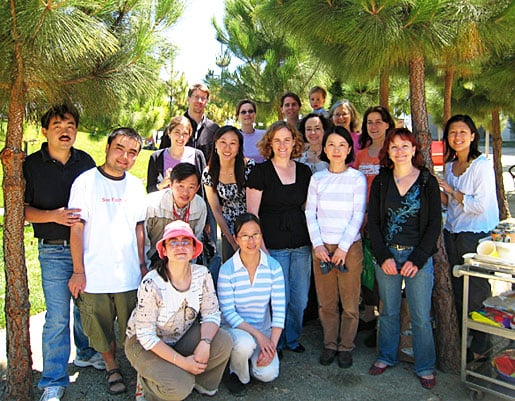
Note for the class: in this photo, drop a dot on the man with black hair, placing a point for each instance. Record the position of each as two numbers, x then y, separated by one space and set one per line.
178 202
107 247
49 174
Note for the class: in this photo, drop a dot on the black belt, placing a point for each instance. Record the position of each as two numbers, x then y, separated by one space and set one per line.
399 247
63 242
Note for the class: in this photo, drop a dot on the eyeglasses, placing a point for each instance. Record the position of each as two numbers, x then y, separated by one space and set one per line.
243 112
339 115
175 243
246 238
200 98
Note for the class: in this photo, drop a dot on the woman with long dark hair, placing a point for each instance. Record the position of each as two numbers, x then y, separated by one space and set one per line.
469 194
224 182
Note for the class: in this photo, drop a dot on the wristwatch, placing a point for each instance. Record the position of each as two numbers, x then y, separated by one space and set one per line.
206 340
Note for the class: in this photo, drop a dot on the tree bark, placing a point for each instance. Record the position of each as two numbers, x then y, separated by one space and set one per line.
384 89
502 201
17 306
447 335
449 78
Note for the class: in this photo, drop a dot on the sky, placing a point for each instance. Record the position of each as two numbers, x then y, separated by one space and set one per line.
194 35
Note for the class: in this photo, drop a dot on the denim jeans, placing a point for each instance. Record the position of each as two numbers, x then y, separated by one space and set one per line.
296 265
56 270
418 291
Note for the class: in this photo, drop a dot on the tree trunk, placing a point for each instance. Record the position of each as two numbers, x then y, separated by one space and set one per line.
502 201
447 336
384 89
17 306
449 78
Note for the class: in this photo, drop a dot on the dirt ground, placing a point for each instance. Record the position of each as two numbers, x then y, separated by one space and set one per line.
302 378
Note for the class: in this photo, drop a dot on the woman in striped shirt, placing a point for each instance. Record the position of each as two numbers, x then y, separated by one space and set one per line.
252 300
335 209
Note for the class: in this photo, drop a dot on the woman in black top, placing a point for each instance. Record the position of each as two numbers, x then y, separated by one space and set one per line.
276 192
404 221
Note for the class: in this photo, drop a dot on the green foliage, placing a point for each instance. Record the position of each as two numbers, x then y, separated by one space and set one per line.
273 62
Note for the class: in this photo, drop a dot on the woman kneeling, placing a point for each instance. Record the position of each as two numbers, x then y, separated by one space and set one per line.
249 283
173 350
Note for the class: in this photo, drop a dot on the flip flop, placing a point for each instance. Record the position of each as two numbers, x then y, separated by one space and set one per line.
111 384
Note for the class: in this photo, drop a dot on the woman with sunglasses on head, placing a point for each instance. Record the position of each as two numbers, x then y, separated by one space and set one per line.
162 161
312 128
404 222
252 300
246 115
470 196
335 209
174 341
224 182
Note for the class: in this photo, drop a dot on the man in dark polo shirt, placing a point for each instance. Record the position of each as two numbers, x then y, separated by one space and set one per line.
49 174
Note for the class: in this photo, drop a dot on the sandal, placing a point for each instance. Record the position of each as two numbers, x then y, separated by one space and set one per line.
113 383
428 383
377 370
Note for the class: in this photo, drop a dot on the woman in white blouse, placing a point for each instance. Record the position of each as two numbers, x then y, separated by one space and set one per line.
171 351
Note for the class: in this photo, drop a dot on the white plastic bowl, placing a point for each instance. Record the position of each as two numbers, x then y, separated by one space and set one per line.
505 250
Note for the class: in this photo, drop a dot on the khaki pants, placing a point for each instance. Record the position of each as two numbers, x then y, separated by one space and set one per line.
162 380
334 288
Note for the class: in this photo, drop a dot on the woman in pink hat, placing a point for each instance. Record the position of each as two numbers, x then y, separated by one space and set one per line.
174 341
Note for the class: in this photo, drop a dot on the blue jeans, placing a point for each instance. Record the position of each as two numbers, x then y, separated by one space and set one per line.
418 291
296 265
56 270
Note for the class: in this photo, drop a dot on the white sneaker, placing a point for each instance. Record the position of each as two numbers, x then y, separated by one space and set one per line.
53 393
96 361
204 391
139 390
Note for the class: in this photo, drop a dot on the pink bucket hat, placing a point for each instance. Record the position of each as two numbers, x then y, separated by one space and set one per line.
178 228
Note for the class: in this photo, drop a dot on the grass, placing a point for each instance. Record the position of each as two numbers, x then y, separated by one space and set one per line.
96 148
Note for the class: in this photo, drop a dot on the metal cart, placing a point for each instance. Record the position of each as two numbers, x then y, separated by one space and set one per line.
480 377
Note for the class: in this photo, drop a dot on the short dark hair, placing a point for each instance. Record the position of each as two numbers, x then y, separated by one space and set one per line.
245 101
125 131
60 110
341 131
184 170
474 152
293 95
326 124
245 218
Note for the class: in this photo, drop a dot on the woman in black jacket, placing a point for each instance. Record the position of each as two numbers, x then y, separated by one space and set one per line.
404 221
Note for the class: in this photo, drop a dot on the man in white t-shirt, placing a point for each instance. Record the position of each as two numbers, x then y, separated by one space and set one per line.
107 247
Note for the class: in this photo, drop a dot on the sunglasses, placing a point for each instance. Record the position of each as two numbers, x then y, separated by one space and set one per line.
243 112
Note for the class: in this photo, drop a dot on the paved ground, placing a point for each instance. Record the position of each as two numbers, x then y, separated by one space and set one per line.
302 377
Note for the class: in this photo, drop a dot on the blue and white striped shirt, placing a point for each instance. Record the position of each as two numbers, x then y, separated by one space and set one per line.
243 301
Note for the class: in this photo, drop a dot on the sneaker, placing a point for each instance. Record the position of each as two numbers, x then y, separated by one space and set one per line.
344 359
96 361
139 390
204 391
327 356
235 387
53 393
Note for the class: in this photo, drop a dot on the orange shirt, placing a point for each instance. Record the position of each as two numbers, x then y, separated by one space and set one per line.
367 165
